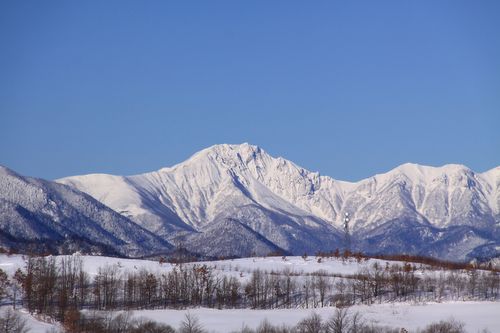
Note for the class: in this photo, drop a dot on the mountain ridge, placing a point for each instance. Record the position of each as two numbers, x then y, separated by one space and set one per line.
56 218
316 180
238 200
222 178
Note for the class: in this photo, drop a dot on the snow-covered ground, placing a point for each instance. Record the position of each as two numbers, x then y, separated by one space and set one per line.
240 268
476 315
296 265
36 325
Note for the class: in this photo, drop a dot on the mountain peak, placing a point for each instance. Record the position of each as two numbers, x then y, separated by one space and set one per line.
411 167
224 154
224 148
418 172
6 172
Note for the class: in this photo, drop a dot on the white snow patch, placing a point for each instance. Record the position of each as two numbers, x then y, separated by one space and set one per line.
476 316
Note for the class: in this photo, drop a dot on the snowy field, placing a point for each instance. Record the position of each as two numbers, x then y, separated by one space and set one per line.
36 325
296 265
476 315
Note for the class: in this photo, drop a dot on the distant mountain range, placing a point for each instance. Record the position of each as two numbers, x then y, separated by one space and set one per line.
237 200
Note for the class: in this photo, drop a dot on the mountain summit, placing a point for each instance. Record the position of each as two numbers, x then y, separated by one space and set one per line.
449 211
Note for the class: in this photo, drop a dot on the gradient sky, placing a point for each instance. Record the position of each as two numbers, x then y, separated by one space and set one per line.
347 88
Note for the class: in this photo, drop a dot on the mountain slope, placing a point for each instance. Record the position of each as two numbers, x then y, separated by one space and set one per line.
229 237
412 207
219 182
57 218
445 196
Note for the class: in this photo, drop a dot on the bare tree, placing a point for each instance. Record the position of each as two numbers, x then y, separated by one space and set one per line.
121 323
106 285
339 322
450 326
323 286
12 322
311 324
148 326
4 284
191 324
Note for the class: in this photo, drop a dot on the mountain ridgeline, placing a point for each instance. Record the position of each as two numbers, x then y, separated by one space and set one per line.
237 200
39 216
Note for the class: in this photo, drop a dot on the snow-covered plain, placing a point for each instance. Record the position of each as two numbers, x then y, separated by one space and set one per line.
476 315
35 325
241 268
294 264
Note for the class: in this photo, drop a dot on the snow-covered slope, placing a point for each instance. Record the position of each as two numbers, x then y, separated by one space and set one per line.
225 181
298 210
197 190
445 196
57 218
476 315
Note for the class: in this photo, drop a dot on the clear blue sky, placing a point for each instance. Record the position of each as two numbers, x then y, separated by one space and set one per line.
347 88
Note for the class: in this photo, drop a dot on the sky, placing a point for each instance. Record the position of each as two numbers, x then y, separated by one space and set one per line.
346 88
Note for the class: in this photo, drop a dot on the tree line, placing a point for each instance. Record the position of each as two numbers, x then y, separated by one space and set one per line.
59 287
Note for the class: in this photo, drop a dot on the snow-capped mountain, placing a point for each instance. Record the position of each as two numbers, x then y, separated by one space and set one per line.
226 181
451 211
51 217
